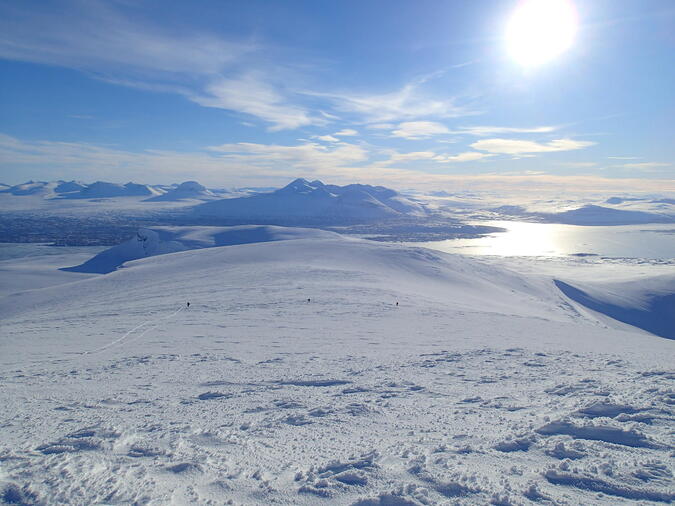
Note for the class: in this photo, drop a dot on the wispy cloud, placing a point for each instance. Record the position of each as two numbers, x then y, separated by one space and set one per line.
431 156
645 165
408 103
52 160
419 129
467 156
381 126
481 131
109 41
463 64
240 163
346 132
579 165
99 38
397 158
424 129
307 156
250 95
326 138
518 147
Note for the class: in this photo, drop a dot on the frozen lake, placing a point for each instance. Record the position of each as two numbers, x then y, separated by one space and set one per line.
550 239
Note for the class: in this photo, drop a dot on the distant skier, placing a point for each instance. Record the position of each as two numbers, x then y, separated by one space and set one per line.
188 304
396 303
308 300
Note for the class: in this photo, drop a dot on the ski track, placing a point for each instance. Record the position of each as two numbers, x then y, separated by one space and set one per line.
128 333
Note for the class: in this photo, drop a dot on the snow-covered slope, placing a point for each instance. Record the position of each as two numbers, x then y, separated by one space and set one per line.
161 240
306 200
295 378
648 303
69 187
185 191
26 272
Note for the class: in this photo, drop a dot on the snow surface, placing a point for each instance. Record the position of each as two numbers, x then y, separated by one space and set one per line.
40 271
294 378
162 240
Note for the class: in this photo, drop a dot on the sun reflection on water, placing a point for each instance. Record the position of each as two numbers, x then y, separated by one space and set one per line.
556 240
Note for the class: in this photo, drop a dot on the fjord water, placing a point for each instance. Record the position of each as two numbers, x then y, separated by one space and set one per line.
551 239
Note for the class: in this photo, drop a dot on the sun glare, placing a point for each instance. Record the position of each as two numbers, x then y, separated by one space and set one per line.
540 30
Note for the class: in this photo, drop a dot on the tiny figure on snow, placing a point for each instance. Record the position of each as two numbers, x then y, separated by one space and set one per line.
308 300
188 304
396 303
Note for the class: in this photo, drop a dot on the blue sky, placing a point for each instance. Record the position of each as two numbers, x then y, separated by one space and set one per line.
402 93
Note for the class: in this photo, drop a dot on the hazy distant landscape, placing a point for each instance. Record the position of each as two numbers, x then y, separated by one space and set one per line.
78 214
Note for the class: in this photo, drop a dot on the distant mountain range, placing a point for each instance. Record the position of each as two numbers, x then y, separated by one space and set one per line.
304 199
103 190
303 203
186 191
590 215
300 203
600 215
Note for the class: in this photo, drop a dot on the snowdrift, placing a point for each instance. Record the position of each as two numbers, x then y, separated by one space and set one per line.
648 305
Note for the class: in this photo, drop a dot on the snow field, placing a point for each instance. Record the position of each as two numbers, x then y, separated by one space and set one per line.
482 386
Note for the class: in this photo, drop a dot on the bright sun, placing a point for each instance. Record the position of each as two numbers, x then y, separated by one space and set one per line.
539 30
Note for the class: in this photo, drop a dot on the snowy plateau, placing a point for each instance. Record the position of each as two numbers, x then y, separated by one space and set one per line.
316 368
